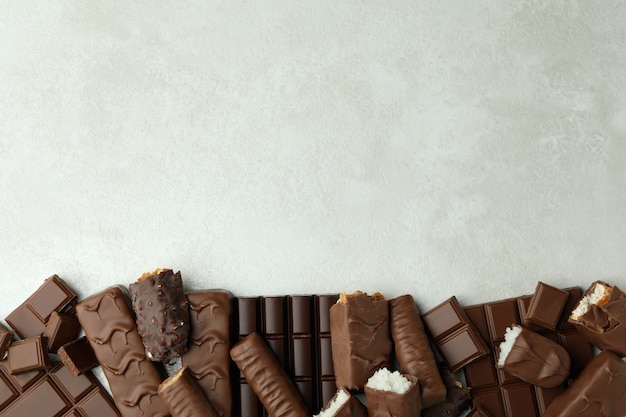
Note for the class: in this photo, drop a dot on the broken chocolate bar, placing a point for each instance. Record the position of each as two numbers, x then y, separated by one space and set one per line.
343 404
60 329
183 396
546 306
6 337
391 394
28 355
458 398
78 356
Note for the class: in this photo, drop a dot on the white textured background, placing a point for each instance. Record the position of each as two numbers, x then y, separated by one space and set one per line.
431 147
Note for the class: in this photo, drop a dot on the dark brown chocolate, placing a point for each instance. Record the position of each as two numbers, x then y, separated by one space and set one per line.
381 403
360 336
300 348
537 359
6 337
78 356
269 381
208 357
351 408
248 321
412 348
111 331
458 398
599 391
162 314
28 355
60 329
546 306
604 324
478 412
183 396
325 375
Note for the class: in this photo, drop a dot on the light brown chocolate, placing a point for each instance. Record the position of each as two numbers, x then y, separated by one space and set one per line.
183 396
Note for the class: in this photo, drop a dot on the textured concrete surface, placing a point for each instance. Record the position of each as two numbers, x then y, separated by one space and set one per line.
431 147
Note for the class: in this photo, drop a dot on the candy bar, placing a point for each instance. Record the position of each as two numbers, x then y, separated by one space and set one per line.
601 317
343 404
391 394
361 342
6 337
78 356
60 329
546 306
269 381
533 358
183 396
28 355
111 331
458 398
162 314
413 352
599 391
208 357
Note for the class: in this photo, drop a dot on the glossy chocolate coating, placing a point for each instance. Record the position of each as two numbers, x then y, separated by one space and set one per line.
162 314
546 306
392 404
351 408
599 391
361 342
183 396
413 352
537 360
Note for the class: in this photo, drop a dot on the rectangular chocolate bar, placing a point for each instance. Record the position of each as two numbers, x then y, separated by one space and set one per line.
248 321
78 356
325 373
300 347
28 355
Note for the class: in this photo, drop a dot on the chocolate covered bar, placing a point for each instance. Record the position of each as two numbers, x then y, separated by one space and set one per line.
60 329
599 391
183 396
601 317
361 342
546 306
267 378
28 355
208 357
162 314
413 352
343 404
6 337
391 394
78 356
111 331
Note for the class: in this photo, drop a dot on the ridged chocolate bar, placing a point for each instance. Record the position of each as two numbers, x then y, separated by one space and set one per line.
184 397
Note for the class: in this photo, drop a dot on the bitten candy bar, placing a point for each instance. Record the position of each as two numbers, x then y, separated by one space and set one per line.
360 337
391 394
162 314
184 397
110 329
413 352
343 404
78 356
268 380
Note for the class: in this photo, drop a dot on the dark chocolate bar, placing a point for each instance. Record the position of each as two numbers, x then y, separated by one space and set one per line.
413 351
267 378
325 375
208 357
301 351
458 398
28 355
60 329
248 321
78 356
29 319
386 403
183 396
478 412
345 404
361 341
6 337
546 306
162 314
110 328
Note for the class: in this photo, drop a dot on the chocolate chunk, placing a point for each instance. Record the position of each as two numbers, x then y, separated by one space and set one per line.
183 396
533 358
28 355
478 412
110 329
162 314
344 405
599 391
458 398
6 337
269 381
413 352
360 336
546 306
78 356
60 329
208 357
391 400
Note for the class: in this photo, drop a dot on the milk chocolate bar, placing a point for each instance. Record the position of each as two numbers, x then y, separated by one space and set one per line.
78 356
361 342
162 314
546 306
28 355
413 352
269 381
183 396
344 405
389 403
599 391
60 329
6 337
208 357
111 331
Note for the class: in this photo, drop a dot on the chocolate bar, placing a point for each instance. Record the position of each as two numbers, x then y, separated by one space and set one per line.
28 355
546 306
391 394
301 351
248 321
325 375
361 342
412 348
458 398
60 329
183 396
601 317
456 338
599 391
78 356
343 404
267 378
29 319
208 357
111 331
162 314
6 337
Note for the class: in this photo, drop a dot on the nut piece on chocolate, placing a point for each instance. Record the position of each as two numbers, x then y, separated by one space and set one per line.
343 404
162 314
360 338
458 398
601 317
392 394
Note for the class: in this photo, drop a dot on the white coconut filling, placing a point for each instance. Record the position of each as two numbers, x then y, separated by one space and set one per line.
341 398
598 293
509 339
385 380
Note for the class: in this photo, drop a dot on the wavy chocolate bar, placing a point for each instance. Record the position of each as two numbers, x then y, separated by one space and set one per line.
184 397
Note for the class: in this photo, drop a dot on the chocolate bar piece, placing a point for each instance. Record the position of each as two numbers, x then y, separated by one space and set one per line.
413 352
183 396
28 355
599 391
456 338
546 306
269 381
30 317
458 398
208 357
78 356
162 314
110 329
248 321
601 317
343 404
533 358
325 375
391 394
6 337
60 329
478 412
300 346
360 336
